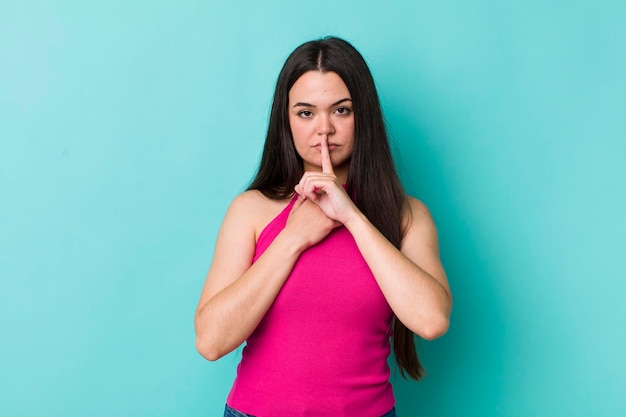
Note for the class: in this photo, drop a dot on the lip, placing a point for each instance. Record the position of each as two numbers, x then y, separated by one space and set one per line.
331 146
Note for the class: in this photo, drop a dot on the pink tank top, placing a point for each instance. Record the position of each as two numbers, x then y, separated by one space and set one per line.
321 350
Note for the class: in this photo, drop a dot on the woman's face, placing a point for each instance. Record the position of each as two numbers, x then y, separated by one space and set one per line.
320 104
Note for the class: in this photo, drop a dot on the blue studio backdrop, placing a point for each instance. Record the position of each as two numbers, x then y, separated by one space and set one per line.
126 127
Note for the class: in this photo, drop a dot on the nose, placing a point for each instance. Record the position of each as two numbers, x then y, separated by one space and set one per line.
325 126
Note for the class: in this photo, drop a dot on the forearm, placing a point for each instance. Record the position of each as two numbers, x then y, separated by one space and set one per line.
228 318
417 298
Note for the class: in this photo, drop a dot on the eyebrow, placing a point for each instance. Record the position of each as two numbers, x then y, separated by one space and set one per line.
301 104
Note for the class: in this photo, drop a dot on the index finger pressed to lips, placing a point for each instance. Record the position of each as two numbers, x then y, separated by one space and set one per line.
327 165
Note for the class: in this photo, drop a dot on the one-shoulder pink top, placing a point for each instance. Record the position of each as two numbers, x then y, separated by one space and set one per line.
321 350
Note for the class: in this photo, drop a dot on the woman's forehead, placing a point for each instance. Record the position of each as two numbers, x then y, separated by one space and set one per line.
318 86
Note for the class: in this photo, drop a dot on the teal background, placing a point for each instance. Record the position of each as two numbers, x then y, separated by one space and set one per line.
127 127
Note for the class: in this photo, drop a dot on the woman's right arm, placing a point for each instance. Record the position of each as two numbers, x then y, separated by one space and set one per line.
237 293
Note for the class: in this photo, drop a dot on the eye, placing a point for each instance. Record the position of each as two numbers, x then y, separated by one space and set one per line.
305 114
343 110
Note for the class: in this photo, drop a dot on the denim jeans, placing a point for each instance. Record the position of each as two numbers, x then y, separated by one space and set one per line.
231 412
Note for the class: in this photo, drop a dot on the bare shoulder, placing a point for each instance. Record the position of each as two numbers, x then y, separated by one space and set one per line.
418 222
246 216
417 206
255 210
416 213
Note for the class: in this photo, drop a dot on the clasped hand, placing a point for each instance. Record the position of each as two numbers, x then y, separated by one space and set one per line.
323 189
322 204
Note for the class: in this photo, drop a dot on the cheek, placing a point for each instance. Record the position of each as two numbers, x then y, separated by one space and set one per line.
299 138
348 132
301 134
350 135
296 136
296 126
348 126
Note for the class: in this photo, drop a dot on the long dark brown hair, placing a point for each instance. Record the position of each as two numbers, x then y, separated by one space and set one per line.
372 177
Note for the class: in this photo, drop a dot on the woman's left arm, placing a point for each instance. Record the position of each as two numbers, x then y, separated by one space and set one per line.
412 279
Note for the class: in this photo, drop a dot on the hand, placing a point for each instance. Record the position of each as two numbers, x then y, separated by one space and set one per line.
323 189
308 222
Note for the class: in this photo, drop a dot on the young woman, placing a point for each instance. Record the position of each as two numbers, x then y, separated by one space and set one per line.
324 258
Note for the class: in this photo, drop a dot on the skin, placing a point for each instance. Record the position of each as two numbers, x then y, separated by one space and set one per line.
320 105
238 293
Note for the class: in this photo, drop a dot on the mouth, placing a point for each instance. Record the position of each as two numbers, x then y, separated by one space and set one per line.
331 146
